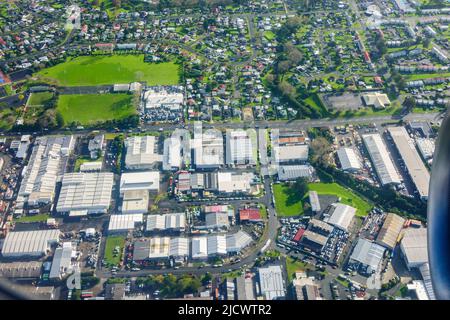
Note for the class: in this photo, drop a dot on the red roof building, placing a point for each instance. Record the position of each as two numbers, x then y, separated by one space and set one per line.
250 215
298 236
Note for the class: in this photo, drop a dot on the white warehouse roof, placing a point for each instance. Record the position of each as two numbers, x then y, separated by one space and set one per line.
341 216
169 221
238 241
124 222
368 254
141 152
217 245
416 169
89 192
380 158
179 247
348 159
271 282
199 248
240 147
29 243
414 247
146 180
291 153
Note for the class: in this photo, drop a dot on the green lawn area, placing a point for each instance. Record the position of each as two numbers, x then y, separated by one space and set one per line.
92 108
39 98
292 266
287 202
111 243
290 203
269 35
33 218
347 196
103 70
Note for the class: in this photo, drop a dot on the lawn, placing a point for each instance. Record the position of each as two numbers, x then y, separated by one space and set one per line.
347 196
33 218
287 201
39 98
103 70
91 108
111 243
292 266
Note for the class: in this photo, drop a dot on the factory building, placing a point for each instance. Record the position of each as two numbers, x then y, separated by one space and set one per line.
348 159
207 147
123 223
271 282
166 222
62 261
416 169
135 181
46 162
381 160
85 193
390 231
367 256
36 243
341 216
241 147
141 153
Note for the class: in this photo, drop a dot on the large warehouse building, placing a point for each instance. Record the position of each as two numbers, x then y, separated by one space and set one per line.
390 231
166 222
416 169
134 181
341 216
348 159
240 147
381 160
41 173
85 193
271 283
29 243
207 147
119 223
367 256
414 247
141 153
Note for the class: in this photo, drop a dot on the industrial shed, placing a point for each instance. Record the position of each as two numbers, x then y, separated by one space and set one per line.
84 193
390 231
341 216
124 222
416 169
367 256
21 270
29 243
381 160
414 247
348 159
170 221
238 241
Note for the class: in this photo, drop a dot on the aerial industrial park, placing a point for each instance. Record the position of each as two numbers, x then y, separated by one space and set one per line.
256 150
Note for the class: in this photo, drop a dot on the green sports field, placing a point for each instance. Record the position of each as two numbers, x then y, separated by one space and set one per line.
91 108
104 70
289 203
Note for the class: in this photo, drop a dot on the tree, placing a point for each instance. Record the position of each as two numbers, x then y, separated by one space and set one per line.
409 103
301 186
320 151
